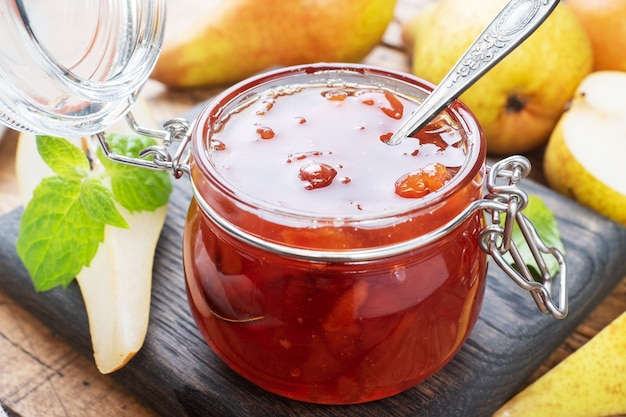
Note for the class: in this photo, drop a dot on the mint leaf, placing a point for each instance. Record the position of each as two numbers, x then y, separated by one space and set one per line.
544 221
134 188
57 237
64 223
98 201
63 157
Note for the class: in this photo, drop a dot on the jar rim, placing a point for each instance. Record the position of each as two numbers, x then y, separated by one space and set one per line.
211 114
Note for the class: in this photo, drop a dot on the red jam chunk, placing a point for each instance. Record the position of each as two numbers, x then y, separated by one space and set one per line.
317 175
422 182
395 109
335 332
265 132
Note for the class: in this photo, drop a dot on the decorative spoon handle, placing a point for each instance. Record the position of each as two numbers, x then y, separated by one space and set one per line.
515 22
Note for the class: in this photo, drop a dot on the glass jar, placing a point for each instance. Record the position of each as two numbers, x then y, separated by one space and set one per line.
74 68
344 292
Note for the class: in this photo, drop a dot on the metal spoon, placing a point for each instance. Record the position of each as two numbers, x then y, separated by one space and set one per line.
515 22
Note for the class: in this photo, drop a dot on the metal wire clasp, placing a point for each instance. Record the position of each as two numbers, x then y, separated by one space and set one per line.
496 239
157 157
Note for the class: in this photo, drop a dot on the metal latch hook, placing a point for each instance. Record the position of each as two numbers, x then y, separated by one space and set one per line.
156 157
496 240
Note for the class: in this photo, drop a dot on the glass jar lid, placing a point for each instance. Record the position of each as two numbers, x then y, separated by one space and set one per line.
72 68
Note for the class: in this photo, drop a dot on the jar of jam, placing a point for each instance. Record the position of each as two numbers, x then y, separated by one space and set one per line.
308 264
321 263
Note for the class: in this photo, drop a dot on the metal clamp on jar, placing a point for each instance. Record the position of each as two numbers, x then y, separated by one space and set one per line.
314 265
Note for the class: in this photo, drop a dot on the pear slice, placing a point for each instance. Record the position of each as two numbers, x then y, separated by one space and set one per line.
116 287
585 157
589 382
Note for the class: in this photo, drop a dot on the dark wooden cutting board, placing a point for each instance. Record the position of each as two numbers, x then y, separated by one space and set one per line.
177 373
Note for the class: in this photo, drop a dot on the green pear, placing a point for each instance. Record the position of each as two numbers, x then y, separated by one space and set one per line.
238 38
591 382
586 155
520 100
116 287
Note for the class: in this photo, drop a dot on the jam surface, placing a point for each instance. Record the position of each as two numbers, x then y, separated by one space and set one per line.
288 144
322 331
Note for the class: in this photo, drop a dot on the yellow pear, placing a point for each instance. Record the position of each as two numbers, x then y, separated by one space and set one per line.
604 22
116 287
521 99
591 382
238 38
586 155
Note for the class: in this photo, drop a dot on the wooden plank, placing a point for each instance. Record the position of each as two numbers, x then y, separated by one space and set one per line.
177 373
41 375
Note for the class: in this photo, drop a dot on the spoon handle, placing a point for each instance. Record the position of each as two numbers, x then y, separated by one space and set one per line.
515 22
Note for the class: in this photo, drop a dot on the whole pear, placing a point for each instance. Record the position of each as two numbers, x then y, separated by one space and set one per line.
586 154
604 22
591 382
520 100
238 38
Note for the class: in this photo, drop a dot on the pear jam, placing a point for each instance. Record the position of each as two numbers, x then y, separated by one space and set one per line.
304 266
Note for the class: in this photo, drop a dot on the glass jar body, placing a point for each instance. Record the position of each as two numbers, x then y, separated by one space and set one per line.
335 331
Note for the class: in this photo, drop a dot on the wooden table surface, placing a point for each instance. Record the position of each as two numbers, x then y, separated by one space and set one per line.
42 376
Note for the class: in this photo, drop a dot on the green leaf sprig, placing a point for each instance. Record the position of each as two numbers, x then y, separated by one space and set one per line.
64 222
